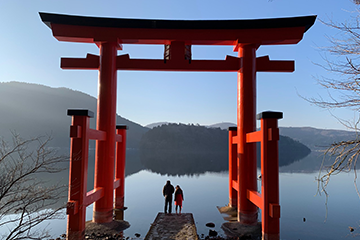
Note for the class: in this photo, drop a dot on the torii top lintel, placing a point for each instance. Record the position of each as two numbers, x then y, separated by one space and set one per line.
193 32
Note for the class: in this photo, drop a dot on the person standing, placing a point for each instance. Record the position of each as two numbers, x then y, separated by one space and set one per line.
168 191
179 197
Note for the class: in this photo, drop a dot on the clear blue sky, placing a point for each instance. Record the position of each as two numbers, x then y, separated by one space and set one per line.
29 53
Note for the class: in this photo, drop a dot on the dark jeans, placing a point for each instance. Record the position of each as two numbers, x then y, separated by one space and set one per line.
168 200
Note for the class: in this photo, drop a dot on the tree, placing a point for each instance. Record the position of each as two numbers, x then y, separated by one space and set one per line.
26 198
345 65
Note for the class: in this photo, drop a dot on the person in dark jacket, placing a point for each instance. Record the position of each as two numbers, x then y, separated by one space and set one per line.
179 197
168 191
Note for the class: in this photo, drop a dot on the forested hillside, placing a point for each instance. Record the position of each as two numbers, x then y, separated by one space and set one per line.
33 110
317 139
184 149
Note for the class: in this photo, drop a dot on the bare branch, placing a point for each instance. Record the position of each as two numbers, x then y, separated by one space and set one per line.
342 59
26 199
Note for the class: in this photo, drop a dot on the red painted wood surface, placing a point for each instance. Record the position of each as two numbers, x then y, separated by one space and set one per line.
106 121
79 149
270 179
109 35
120 169
233 168
246 114
78 198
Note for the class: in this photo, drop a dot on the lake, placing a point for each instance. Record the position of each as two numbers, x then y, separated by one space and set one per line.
203 192
297 198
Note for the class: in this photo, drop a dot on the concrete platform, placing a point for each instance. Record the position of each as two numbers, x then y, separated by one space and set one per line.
228 213
234 229
241 231
179 227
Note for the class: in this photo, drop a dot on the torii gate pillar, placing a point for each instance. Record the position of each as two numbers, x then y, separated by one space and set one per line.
246 123
106 121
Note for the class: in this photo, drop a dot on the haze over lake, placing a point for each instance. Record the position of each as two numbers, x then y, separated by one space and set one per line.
204 189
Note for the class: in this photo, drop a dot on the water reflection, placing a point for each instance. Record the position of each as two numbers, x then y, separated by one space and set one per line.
299 200
203 192
309 164
184 163
194 163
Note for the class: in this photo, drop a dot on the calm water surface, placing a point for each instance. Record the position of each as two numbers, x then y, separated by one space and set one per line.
298 200
204 192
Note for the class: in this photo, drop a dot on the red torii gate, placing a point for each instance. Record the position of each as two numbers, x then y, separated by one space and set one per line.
178 35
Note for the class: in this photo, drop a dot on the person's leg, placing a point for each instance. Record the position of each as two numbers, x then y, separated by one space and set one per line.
165 208
170 200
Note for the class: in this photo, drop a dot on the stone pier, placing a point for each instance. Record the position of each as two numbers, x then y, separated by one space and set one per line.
179 227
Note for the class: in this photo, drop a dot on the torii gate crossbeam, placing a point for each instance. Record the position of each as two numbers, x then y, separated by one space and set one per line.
245 35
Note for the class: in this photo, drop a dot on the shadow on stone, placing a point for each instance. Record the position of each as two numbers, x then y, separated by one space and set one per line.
111 228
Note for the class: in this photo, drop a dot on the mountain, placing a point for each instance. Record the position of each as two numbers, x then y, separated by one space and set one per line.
314 138
223 125
194 149
32 110
157 124
317 139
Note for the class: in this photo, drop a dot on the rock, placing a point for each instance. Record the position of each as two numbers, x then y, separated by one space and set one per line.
137 235
212 233
245 237
210 224
117 236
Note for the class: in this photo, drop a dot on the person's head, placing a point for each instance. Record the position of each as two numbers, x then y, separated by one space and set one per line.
168 182
177 186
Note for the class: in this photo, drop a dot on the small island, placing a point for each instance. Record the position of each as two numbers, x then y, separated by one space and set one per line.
178 149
